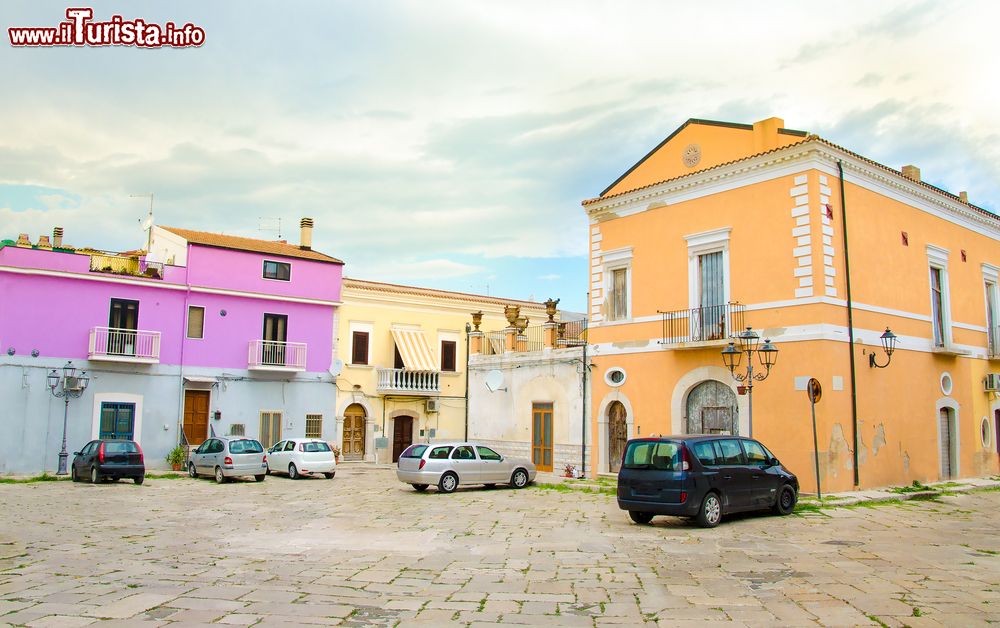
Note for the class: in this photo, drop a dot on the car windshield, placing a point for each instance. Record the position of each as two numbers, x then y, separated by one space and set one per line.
414 451
315 447
245 447
120 447
656 455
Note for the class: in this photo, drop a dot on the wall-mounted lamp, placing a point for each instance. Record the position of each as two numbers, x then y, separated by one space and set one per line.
888 345
218 415
11 351
34 353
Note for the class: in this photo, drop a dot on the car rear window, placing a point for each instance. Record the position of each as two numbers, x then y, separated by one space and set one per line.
656 455
312 447
440 452
414 451
245 447
120 448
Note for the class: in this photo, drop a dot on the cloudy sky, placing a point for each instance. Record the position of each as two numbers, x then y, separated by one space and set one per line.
449 144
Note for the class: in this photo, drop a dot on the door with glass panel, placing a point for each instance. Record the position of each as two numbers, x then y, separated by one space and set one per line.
275 336
123 320
709 320
541 436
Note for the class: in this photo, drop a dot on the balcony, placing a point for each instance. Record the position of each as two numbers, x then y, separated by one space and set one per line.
125 265
110 344
274 355
409 382
699 327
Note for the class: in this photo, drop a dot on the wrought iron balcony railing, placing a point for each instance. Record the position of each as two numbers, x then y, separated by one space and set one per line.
702 324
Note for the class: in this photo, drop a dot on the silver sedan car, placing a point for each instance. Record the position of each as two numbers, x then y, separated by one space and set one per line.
450 464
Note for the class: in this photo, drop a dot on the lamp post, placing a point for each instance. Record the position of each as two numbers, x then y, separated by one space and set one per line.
766 353
70 386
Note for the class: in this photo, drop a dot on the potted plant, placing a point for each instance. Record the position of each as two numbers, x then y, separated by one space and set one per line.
569 471
336 453
176 457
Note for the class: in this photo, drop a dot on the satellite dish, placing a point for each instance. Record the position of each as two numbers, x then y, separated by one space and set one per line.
336 367
494 380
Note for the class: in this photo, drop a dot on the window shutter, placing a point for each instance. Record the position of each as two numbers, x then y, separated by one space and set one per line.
359 352
449 349
196 322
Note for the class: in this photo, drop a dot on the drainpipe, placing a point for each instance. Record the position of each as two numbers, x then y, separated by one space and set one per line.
850 329
180 395
468 328
583 418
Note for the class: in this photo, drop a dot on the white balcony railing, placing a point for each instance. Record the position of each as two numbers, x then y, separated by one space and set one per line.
274 355
112 344
413 382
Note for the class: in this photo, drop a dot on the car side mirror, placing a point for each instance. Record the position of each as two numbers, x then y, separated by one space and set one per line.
76 453
773 462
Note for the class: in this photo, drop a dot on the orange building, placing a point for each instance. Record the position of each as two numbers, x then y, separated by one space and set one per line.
818 249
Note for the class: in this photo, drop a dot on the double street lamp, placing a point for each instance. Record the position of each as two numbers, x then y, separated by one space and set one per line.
67 386
749 343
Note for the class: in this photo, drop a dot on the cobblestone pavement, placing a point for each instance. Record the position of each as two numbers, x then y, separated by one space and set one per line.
363 549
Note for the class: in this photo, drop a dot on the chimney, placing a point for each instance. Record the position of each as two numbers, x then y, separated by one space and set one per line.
23 241
765 134
57 235
306 237
964 196
911 172
43 243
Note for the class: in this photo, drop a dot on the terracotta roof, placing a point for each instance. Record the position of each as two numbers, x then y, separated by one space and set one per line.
443 294
270 247
808 138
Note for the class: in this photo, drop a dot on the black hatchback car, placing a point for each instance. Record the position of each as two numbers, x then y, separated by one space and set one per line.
703 477
108 459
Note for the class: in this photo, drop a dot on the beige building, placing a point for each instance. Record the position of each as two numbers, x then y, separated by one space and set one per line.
404 351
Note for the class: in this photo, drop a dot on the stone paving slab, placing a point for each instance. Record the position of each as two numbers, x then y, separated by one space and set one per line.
366 550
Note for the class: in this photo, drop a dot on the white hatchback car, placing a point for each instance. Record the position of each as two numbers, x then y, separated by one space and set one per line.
302 456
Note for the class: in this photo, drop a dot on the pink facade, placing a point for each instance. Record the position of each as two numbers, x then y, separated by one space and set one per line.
52 302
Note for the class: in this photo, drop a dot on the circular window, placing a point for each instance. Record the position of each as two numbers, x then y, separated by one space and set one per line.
946 384
614 376
984 429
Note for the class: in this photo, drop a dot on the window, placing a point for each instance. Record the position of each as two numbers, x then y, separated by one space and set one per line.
463 453
708 283
315 447
666 457
756 456
485 453
282 271
314 426
449 352
937 259
937 305
196 321
290 446
617 273
414 451
991 278
731 452
439 453
705 453
117 420
359 347
237 429
618 298
397 359
245 446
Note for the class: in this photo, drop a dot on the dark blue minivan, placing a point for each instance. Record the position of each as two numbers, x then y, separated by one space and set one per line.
703 477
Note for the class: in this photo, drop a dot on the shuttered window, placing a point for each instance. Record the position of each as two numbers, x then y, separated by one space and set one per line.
619 294
314 426
937 305
196 321
449 351
712 280
359 347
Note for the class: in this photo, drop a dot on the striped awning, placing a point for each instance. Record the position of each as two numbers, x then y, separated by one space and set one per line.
415 350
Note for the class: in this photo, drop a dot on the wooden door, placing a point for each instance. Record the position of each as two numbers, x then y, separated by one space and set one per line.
353 446
617 435
541 436
946 450
717 419
402 435
196 416
270 428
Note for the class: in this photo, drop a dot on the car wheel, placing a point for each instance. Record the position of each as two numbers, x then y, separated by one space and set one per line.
785 503
420 487
94 477
191 470
330 475
448 483
138 479
260 478
220 478
293 472
268 470
519 479
711 511
72 474
640 517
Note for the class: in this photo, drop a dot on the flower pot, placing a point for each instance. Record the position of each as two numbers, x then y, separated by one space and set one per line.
176 466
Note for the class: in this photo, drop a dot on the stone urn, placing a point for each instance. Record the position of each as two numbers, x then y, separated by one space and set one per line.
550 309
511 312
477 319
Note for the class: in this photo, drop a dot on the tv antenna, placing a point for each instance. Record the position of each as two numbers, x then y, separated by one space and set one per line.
147 224
266 223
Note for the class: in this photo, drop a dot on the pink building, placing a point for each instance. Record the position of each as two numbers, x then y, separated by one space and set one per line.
204 334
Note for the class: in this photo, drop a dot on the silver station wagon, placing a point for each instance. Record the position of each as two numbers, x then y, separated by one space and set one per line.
449 465
225 458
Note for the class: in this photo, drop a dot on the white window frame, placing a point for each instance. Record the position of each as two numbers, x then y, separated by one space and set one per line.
714 241
991 290
937 257
187 322
453 336
617 259
353 326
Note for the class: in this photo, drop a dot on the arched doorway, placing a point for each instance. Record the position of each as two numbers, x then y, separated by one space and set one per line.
617 434
946 433
353 446
402 435
711 409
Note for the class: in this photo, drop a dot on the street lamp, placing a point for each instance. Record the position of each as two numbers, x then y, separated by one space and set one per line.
750 345
888 345
70 386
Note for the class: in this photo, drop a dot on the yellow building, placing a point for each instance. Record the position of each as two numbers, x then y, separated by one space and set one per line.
404 352
820 250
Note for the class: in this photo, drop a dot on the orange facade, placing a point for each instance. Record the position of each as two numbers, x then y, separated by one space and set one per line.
753 214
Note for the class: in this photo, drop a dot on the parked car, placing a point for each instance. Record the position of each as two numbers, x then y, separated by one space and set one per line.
449 465
109 460
225 458
302 456
702 477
